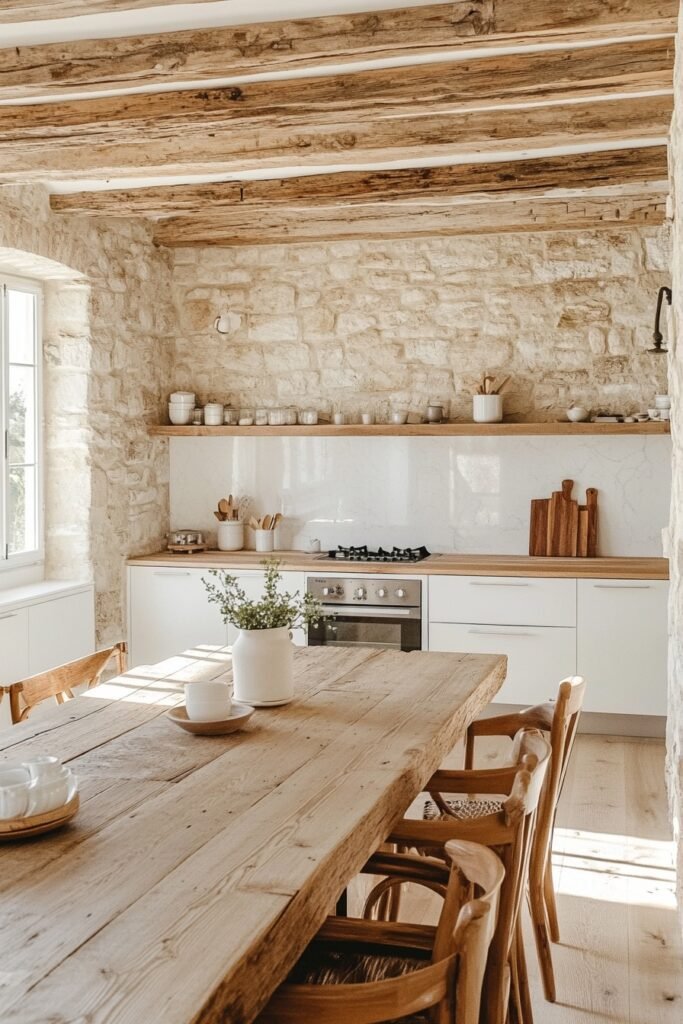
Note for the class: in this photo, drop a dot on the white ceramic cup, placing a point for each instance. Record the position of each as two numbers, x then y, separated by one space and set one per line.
208 701
487 408
14 792
654 413
367 418
265 540
44 766
338 418
399 416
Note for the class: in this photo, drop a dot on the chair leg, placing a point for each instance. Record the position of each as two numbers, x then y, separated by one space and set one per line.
514 1003
543 946
550 904
522 976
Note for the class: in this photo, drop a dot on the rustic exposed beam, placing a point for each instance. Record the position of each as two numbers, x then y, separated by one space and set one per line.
626 168
35 10
208 150
641 66
95 64
244 228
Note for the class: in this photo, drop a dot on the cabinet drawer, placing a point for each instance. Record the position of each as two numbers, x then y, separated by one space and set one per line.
622 645
510 600
61 630
538 656
13 645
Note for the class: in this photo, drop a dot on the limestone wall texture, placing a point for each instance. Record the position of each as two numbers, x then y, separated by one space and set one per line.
675 719
351 326
107 322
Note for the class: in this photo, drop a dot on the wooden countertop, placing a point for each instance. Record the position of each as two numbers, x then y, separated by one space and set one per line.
443 564
198 869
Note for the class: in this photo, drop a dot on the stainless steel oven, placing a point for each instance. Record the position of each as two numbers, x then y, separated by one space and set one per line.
368 612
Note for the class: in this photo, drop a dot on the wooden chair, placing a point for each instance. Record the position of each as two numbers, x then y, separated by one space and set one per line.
560 719
60 682
363 972
507 827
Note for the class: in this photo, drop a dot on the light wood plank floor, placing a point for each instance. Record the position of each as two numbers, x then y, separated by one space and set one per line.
620 959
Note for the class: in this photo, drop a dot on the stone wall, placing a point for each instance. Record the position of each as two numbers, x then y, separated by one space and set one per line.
358 325
675 720
107 320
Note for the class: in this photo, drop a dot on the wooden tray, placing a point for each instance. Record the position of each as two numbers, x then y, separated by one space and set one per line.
36 824
239 715
186 549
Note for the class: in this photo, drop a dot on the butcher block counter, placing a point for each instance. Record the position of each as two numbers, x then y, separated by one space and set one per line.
438 564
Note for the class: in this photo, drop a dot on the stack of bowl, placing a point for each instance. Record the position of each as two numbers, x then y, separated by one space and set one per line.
181 408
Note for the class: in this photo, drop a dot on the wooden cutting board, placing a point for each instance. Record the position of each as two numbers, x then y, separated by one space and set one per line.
560 527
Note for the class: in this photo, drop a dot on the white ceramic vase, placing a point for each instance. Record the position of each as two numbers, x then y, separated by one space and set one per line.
487 408
263 667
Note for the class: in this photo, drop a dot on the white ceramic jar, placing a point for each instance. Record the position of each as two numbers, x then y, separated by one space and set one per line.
263 667
487 408
230 535
264 539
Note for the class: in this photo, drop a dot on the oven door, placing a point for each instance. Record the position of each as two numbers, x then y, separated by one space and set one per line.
398 629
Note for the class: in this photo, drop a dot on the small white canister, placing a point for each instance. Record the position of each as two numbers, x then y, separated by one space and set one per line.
264 539
213 414
487 408
230 535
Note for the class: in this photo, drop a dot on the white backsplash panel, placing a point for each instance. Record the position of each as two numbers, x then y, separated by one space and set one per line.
463 494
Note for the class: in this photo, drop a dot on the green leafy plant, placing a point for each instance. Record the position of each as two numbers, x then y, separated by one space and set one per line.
274 609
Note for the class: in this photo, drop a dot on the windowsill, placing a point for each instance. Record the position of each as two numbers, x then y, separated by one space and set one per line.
43 590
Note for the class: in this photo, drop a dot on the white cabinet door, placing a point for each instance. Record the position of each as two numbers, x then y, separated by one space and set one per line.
61 630
13 645
510 600
13 654
170 613
252 585
622 645
538 656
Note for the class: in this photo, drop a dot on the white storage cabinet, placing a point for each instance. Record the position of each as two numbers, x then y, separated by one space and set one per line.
622 645
531 620
169 610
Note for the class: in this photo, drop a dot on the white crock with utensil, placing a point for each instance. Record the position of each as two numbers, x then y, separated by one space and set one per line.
231 535
487 408
263 667
264 540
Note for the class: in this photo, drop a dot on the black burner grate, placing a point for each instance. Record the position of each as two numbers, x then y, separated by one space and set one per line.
364 554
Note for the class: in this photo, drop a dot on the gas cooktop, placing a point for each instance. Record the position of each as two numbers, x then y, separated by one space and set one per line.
364 554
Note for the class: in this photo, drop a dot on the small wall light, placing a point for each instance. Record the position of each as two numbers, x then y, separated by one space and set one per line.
227 323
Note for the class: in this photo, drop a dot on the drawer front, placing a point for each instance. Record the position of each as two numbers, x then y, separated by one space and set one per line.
507 600
538 657
622 645
61 630
13 645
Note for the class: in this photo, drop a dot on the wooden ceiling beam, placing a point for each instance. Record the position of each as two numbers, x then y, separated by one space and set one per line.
218 53
243 228
209 150
625 168
505 80
39 10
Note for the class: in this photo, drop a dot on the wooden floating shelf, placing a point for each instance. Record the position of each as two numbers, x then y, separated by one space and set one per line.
416 430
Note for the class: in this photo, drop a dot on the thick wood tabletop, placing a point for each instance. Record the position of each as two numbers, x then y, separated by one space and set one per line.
198 868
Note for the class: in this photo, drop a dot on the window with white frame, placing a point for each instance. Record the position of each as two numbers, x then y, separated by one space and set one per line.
21 527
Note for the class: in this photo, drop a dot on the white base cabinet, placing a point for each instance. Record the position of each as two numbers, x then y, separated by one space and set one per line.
538 656
169 610
622 645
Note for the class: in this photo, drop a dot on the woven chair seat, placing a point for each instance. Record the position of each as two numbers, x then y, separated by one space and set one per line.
463 810
320 966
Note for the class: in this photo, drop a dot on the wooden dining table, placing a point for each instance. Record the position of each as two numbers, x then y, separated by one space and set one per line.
198 868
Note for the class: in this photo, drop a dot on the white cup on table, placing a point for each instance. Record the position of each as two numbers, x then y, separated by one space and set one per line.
208 701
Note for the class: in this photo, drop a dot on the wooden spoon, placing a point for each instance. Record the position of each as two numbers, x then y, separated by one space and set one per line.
276 519
254 523
266 523
224 506
219 516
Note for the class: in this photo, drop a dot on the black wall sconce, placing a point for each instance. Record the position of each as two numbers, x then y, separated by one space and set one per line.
658 337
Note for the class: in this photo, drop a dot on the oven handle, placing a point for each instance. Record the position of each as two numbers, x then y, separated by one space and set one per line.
357 611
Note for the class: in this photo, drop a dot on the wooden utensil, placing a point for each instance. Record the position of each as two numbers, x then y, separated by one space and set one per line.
224 506
266 523
582 541
276 519
559 527
569 521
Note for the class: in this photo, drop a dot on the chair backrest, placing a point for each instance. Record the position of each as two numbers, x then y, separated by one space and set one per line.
449 987
564 721
60 682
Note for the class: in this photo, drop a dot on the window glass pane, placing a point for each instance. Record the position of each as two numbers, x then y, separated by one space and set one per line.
21 508
22 418
21 320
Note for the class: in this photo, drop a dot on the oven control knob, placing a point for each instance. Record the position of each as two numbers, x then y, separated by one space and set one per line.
400 592
382 592
329 591
360 593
